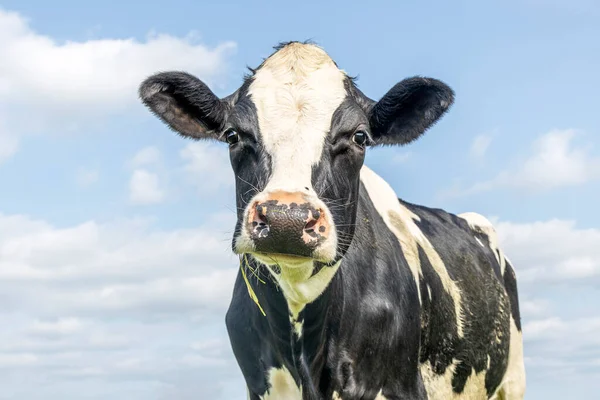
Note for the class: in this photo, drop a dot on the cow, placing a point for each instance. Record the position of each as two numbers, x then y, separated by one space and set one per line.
345 291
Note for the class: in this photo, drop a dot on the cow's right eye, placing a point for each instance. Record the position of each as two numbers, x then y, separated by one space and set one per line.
232 137
360 138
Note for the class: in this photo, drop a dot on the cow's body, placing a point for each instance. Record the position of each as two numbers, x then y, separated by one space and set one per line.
347 292
370 335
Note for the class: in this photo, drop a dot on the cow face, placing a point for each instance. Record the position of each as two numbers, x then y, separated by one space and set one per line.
297 131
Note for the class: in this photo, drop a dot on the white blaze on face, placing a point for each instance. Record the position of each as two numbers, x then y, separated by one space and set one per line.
296 91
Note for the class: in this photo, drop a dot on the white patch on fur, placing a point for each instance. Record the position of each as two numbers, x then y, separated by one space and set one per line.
336 396
380 396
514 381
296 92
439 387
479 241
401 221
482 225
243 242
297 326
298 285
281 385
385 200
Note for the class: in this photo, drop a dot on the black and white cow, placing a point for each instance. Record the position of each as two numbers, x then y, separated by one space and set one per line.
346 291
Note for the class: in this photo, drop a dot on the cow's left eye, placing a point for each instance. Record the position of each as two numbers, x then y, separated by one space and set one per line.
360 138
232 137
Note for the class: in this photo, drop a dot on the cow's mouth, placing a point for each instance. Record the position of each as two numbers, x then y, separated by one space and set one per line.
283 259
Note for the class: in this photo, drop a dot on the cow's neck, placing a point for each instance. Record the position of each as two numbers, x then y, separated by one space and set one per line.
302 286
297 304
297 287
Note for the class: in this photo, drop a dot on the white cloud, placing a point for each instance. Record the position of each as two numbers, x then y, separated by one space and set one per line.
543 328
202 166
119 264
105 73
480 145
207 166
554 250
60 326
533 307
555 161
67 83
86 177
558 272
147 156
144 188
17 360
121 302
8 144
562 347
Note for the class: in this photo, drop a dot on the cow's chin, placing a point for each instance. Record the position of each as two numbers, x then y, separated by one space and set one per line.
323 254
283 260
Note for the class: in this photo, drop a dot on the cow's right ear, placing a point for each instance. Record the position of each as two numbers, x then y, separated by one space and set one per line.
185 104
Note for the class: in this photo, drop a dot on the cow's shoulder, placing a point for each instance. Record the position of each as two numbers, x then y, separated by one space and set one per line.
466 238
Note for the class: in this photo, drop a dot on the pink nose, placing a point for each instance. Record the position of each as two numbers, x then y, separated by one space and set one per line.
287 223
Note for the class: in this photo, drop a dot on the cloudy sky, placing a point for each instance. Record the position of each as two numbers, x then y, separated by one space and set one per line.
115 271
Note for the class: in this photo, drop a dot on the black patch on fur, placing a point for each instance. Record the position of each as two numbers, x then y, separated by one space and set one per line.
250 162
439 336
244 329
510 283
336 177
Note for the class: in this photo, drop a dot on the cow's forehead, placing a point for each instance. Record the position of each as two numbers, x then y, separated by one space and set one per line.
295 93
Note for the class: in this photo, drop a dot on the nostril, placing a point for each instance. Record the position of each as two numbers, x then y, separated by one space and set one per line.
315 215
260 213
260 226
310 226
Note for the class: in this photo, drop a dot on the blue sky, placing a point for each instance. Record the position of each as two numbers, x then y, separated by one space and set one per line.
114 233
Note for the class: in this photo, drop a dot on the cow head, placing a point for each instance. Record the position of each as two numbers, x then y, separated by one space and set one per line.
297 132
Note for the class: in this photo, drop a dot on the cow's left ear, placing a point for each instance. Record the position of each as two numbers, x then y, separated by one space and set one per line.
407 110
185 104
